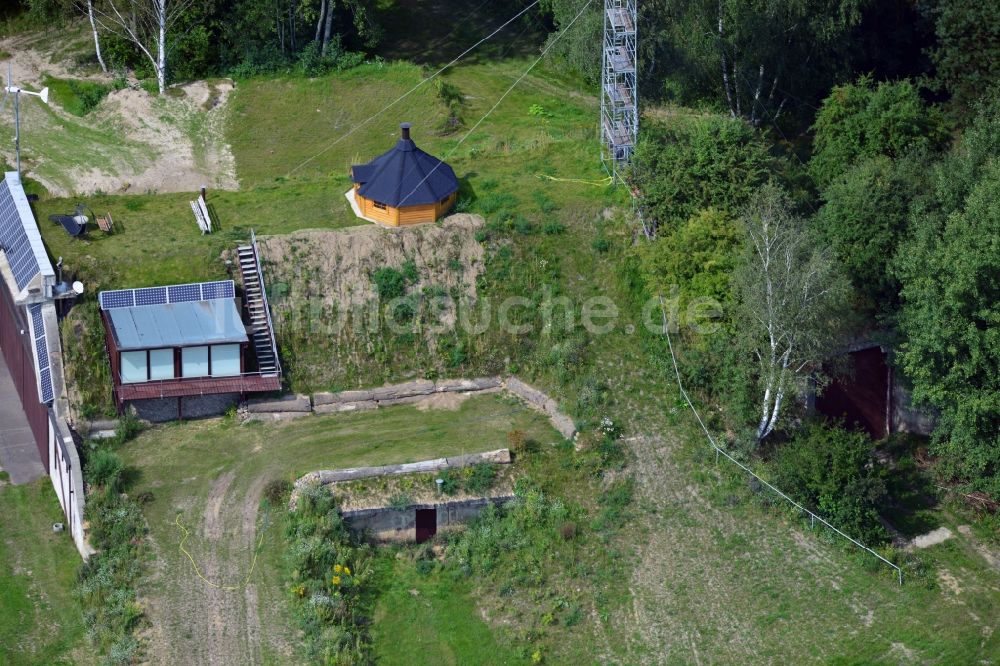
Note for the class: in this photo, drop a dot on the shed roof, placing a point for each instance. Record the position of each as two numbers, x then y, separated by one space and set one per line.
176 325
405 176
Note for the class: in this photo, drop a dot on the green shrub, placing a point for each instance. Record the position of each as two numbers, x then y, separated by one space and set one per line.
277 491
832 471
481 478
449 482
410 271
128 427
494 202
453 100
331 578
105 469
523 225
106 583
389 283
75 96
601 245
553 228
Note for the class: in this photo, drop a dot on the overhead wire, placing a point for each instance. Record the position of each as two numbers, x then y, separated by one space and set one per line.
493 108
412 90
719 451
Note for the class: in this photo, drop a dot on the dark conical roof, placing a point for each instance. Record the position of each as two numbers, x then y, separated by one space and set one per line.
405 176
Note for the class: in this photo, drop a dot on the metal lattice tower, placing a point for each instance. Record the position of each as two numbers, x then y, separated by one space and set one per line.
619 94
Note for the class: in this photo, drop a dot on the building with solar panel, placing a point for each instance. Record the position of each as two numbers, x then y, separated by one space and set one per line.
32 356
185 351
403 186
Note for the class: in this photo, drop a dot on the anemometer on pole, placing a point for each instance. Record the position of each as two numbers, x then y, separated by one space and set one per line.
11 89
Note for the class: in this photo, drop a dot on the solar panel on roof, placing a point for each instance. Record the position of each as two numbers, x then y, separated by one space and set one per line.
19 236
36 316
116 299
181 293
48 392
42 352
213 290
151 296
178 293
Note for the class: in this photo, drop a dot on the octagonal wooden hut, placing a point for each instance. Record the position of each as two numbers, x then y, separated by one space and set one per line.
404 185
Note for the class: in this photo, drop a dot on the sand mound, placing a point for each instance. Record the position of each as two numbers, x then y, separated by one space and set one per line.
335 267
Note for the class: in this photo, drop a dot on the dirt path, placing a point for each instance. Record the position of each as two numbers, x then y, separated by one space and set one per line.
212 618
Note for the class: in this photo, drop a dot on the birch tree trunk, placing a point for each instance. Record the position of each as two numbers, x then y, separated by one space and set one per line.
726 84
319 21
327 26
161 44
146 24
97 39
791 301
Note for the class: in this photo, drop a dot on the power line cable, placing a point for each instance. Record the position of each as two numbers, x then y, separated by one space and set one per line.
414 88
499 101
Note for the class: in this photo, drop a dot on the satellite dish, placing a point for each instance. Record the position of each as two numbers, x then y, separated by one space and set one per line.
78 287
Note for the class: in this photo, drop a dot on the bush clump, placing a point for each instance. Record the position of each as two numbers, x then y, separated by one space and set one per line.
277 491
104 470
106 583
832 471
331 581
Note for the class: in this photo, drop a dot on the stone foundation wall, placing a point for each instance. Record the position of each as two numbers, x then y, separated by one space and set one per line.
294 406
161 410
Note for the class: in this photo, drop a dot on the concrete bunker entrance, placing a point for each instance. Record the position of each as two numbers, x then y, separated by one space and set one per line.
426 524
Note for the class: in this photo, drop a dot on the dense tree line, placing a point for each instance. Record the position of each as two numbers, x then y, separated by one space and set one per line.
771 61
176 40
881 217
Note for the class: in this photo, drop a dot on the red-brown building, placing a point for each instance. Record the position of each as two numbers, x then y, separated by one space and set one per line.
181 342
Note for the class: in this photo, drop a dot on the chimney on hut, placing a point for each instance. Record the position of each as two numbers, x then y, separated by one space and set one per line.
405 128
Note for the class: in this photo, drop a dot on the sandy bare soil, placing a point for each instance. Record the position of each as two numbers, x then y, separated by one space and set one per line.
335 267
132 142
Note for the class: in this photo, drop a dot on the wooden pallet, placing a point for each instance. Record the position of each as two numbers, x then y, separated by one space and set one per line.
105 223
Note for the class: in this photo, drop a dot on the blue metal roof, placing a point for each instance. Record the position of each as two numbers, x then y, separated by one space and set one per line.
405 176
177 325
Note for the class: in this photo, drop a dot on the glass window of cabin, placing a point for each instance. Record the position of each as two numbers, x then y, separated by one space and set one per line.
194 362
134 367
161 363
225 360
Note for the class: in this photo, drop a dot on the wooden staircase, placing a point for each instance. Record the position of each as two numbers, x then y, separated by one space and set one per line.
255 301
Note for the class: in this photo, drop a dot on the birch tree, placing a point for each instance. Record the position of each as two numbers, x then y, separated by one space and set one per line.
792 301
97 38
146 24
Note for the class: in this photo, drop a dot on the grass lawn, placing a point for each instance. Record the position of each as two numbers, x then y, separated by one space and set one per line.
431 618
207 477
161 244
40 621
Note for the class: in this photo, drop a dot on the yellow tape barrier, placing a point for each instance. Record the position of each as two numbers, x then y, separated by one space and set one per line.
194 565
596 183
